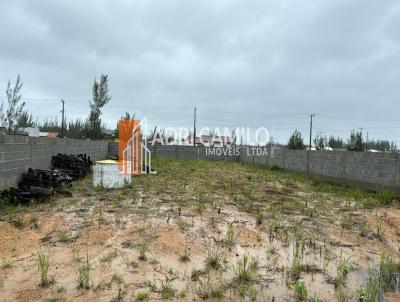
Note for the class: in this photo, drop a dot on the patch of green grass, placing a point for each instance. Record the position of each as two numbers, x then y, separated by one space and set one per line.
142 296
214 259
341 272
245 270
14 218
43 267
387 270
275 168
83 270
7 263
385 197
300 291
167 290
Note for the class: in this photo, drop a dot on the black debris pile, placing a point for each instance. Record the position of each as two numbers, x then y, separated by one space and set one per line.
45 179
76 166
39 185
17 195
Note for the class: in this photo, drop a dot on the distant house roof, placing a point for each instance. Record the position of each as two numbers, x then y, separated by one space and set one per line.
48 134
107 132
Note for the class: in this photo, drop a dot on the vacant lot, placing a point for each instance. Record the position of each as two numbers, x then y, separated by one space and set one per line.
203 231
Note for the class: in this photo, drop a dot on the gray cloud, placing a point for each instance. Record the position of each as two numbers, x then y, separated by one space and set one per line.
338 58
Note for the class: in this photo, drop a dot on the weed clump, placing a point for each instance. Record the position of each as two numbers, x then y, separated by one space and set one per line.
230 239
342 271
214 259
83 270
143 247
245 270
184 256
142 296
7 263
385 197
300 291
43 267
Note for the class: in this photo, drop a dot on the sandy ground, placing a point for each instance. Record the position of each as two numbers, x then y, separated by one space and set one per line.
218 215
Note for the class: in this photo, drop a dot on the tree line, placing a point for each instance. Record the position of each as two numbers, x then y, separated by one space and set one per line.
14 116
355 142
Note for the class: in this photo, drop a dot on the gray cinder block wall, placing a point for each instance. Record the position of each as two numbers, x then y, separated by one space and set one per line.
177 151
373 171
18 153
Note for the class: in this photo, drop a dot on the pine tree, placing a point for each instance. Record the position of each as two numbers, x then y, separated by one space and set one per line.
15 106
355 141
296 141
100 97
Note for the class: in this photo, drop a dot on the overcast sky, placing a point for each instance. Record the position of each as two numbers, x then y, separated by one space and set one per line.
255 63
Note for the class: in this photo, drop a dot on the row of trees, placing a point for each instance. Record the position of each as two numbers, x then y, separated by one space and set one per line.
13 116
355 142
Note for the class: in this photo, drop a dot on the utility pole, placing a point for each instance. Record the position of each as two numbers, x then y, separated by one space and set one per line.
361 130
309 145
366 144
194 127
62 118
311 116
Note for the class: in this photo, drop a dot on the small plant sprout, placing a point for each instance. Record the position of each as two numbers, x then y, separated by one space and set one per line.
167 290
342 271
121 287
184 256
230 239
83 273
43 267
214 259
143 247
7 263
259 217
244 270
182 293
387 272
142 296
300 291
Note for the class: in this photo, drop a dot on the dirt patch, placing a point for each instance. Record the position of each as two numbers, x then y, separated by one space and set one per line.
198 230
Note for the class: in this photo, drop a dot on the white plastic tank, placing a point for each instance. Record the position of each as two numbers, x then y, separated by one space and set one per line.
106 174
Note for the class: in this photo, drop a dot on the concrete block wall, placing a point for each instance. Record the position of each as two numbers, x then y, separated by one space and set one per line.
362 169
176 151
18 153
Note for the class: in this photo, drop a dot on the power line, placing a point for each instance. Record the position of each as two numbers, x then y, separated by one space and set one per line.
356 119
248 114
